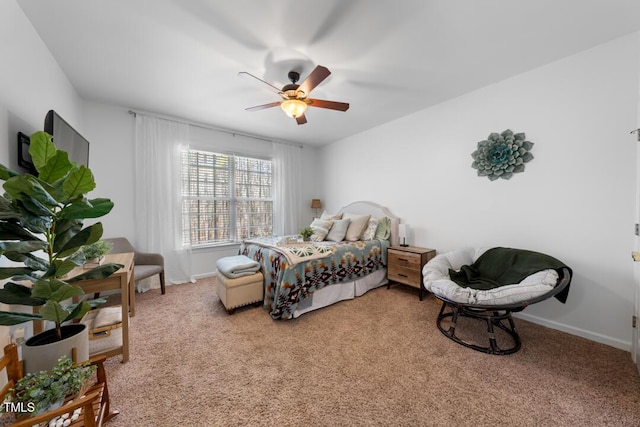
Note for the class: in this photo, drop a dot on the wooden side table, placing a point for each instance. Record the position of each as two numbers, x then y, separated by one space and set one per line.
122 280
404 265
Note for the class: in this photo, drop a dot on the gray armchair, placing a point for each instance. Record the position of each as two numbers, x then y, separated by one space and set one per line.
144 264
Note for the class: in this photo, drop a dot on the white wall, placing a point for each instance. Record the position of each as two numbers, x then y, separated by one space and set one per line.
110 132
31 83
574 201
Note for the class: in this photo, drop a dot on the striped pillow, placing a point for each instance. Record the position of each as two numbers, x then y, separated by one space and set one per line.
320 229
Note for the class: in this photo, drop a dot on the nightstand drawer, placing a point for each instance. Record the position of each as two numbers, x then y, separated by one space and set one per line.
405 275
404 259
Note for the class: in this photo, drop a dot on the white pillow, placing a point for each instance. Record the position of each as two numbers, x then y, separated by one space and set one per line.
357 226
370 231
338 230
320 228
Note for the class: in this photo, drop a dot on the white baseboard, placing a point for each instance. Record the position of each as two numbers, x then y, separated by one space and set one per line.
603 339
204 275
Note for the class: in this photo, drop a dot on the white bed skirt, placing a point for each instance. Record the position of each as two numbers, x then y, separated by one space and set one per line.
342 291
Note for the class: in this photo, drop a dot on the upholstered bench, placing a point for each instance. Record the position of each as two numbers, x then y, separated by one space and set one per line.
239 291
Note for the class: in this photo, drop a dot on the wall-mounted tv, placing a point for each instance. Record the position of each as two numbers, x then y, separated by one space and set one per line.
67 138
64 136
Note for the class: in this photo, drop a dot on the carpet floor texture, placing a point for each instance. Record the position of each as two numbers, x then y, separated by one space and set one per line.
378 360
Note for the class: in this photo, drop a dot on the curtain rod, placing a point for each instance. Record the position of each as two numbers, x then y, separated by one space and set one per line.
203 126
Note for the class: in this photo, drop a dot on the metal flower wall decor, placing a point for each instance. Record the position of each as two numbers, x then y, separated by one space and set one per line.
501 155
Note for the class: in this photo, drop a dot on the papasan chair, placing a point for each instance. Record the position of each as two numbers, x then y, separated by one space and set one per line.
488 284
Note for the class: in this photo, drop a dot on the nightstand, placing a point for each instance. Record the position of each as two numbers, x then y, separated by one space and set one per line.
404 265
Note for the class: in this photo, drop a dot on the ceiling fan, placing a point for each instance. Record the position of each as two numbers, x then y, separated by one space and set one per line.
294 97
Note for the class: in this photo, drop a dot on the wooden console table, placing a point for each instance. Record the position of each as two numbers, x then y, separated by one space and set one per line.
122 280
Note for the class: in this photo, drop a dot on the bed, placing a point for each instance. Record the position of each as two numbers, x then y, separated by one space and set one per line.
302 277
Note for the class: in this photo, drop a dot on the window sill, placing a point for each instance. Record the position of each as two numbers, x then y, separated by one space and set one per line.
214 246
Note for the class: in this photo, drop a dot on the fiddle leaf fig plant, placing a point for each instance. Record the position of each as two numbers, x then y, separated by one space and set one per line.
41 229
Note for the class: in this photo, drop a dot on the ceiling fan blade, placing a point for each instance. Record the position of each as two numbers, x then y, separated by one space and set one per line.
316 77
331 105
272 87
263 106
301 119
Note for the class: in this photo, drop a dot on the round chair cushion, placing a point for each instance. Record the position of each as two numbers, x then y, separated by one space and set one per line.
436 280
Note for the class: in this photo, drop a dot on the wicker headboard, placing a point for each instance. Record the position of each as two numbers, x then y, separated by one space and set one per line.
377 211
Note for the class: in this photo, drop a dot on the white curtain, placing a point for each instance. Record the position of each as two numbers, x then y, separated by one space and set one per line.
158 201
287 186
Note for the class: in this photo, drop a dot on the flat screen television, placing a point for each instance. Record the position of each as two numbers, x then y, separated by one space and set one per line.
67 138
64 136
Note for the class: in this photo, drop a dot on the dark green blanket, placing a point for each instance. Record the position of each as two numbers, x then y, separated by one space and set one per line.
505 266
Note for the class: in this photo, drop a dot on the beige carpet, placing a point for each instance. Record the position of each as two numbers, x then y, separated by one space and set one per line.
375 360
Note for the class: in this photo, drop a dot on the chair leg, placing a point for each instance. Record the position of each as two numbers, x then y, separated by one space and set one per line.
162 287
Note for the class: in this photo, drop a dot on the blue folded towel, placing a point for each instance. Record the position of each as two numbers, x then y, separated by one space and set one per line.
237 266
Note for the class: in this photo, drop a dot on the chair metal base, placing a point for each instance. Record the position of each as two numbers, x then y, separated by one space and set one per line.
493 318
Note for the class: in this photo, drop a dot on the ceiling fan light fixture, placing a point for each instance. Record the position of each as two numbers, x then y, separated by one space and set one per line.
294 100
294 108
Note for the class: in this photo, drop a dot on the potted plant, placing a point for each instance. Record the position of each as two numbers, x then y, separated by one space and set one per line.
39 392
95 252
41 228
306 233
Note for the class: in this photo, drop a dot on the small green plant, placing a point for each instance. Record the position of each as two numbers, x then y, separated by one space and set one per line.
306 232
38 392
97 249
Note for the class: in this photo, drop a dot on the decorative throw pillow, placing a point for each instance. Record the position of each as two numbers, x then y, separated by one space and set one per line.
327 216
357 226
370 231
320 229
338 230
383 231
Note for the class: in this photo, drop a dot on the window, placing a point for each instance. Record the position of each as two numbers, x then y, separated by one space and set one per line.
226 198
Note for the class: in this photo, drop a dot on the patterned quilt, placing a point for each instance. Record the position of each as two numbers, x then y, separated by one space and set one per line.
287 284
296 252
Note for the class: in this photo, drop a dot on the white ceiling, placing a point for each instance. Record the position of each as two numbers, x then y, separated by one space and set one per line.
389 58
